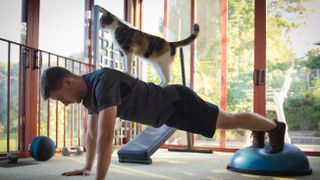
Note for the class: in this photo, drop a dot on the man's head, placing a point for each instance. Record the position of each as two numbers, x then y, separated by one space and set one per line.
60 84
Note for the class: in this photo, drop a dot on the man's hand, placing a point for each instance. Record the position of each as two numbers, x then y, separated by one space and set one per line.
90 139
77 172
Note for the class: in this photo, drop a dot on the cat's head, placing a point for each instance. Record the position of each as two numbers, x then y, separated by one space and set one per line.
106 19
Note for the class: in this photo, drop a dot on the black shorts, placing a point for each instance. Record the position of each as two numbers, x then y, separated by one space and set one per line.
193 114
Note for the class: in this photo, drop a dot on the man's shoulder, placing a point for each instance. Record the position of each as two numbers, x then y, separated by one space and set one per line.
109 71
103 72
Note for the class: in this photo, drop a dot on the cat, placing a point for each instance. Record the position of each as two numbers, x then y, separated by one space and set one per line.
156 50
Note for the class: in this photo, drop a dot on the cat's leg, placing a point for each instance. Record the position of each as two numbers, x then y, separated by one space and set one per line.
163 70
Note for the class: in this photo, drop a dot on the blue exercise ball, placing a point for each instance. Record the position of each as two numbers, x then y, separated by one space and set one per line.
42 148
291 161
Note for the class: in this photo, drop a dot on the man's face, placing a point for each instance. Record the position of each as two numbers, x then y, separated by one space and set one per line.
68 94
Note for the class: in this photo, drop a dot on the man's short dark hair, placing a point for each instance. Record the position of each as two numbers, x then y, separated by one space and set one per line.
51 80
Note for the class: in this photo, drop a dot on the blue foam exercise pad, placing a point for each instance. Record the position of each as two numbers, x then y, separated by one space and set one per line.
145 144
291 161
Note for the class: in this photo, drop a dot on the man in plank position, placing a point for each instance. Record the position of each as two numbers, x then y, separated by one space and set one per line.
108 94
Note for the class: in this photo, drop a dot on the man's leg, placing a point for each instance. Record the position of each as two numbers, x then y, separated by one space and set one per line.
258 124
244 120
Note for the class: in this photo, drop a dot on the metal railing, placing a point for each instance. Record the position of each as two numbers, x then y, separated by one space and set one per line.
62 124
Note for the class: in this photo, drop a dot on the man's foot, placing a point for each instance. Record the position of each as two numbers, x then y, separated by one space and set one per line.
276 137
258 139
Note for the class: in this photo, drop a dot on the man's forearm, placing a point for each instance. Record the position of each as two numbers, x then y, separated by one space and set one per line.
106 121
91 151
104 145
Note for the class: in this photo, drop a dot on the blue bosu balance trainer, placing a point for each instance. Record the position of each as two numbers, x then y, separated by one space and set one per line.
291 161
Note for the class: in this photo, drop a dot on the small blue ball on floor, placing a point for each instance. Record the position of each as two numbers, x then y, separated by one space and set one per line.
42 148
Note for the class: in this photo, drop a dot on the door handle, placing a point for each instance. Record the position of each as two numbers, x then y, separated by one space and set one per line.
256 77
263 77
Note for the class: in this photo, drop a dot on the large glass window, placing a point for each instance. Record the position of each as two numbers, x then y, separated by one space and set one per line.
61 31
152 25
10 20
293 88
62 27
179 17
240 65
116 8
208 58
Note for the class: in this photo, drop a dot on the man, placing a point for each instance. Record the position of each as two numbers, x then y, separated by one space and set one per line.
108 94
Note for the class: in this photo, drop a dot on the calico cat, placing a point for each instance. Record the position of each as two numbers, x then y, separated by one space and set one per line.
131 41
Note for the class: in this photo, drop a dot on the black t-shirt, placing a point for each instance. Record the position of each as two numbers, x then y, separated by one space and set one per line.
142 102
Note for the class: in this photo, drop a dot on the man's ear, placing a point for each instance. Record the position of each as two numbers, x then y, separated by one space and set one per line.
67 81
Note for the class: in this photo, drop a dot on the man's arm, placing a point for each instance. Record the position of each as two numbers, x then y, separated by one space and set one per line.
90 144
106 122
91 139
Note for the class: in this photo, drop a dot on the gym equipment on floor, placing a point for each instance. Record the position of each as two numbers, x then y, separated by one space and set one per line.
291 161
145 144
42 148
67 151
10 158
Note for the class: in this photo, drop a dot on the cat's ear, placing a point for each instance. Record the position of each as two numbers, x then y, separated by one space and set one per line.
106 19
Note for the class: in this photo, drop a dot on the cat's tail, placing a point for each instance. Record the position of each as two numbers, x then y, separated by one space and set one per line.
188 40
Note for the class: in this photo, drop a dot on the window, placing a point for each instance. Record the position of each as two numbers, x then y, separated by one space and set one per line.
62 27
